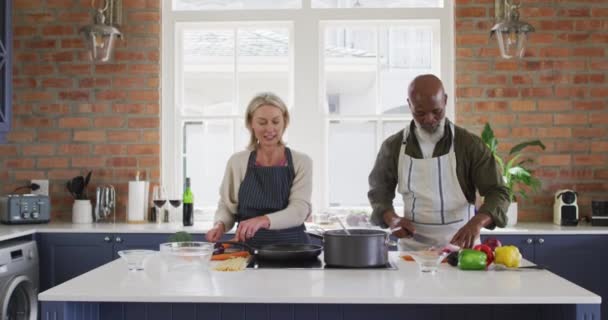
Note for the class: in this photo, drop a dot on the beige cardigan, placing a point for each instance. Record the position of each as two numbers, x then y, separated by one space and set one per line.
299 206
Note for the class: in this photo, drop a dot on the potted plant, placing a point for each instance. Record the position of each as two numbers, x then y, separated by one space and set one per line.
82 211
513 169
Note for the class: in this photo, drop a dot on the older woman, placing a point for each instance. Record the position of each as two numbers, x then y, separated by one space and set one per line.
266 188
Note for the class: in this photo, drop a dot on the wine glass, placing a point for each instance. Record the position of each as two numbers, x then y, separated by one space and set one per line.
175 202
159 198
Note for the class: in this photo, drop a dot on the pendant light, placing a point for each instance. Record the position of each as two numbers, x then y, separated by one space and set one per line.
511 33
99 37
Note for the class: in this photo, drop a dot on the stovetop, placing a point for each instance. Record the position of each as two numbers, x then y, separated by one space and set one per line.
317 264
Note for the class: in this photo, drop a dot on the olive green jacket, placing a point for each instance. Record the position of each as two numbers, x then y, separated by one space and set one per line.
476 169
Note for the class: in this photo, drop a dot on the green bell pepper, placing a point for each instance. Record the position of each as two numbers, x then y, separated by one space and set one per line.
469 259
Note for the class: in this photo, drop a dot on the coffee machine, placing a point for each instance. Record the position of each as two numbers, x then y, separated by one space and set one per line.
565 208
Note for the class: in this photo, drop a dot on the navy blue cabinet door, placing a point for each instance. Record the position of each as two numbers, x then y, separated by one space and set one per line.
6 44
582 259
64 256
138 241
525 243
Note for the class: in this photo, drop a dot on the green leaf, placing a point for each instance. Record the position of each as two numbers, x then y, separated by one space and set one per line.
523 145
180 236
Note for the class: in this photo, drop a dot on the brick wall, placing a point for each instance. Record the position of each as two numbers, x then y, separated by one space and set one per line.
71 116
558 93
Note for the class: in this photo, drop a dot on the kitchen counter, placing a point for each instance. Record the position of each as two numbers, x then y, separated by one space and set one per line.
113 292
403 286
13 231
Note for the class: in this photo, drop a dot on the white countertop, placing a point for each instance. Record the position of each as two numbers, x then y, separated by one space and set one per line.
12 231
114 283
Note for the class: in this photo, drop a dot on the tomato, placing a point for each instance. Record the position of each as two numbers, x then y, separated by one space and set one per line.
493 243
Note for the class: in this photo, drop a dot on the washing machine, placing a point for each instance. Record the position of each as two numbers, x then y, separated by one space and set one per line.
18 280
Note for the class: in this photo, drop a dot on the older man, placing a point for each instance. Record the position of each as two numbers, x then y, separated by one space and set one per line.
437 167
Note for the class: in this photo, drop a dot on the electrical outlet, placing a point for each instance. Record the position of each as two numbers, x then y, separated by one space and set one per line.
44 187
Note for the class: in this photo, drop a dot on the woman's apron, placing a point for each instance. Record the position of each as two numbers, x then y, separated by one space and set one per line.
432 197
266 190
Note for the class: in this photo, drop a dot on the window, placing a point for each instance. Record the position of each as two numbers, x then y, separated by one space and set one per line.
342 67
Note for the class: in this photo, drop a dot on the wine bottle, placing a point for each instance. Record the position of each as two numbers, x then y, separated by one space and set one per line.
188 205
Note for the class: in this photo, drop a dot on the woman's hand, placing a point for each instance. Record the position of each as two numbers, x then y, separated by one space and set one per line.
216 233
248 228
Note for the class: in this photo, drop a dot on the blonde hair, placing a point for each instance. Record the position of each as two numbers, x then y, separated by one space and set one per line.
264 99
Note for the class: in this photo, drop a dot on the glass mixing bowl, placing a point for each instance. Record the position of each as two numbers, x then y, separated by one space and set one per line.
135 258
179 255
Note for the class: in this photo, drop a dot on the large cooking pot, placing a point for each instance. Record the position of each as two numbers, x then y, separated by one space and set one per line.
359 248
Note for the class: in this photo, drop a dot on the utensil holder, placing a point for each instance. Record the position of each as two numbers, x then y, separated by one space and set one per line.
82 211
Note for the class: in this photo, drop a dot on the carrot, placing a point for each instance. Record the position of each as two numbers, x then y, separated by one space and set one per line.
226 245
226 256
410 258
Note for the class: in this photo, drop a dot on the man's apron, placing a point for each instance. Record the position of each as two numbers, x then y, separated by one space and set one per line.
432 197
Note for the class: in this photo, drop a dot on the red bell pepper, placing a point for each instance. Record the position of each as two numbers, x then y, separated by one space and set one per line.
488 251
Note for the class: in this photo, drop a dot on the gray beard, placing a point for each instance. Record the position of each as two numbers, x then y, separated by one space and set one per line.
434 136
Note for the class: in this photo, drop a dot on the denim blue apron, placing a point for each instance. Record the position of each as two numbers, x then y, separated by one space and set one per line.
266 190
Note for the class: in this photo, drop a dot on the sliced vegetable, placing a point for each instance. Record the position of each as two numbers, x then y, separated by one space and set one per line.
225 256
469 259
508 256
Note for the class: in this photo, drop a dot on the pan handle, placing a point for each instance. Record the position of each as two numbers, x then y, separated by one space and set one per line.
249 248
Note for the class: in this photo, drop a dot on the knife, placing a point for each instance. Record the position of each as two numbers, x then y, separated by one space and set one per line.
418 237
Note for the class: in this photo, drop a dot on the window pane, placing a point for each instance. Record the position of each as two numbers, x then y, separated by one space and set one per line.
195 5
405 52
208 147
263 64
389 128
208 72
350 70
377 3
352 151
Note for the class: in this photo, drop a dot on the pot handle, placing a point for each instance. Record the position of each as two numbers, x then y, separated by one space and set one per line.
390 242
317 232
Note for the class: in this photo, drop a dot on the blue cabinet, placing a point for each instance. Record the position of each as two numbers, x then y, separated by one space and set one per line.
582 259
6 44
64 256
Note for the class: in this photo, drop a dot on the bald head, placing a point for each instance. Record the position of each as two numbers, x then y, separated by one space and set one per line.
427 100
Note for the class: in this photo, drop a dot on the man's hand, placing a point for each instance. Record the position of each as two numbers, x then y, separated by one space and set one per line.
216 233
465 237
406 228
248 228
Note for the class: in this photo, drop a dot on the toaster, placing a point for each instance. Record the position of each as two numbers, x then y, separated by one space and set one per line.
25 208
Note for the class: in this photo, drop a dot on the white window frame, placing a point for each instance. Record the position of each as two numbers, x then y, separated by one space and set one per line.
309 118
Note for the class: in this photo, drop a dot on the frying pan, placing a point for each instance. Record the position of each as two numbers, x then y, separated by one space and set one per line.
285 251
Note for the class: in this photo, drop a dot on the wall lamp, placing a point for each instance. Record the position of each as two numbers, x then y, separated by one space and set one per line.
99 37
511 33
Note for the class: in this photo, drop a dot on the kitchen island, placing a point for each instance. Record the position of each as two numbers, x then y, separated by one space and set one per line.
113 292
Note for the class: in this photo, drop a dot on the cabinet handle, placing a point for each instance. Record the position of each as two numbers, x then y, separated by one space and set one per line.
118 239
529 241
107 239
541 241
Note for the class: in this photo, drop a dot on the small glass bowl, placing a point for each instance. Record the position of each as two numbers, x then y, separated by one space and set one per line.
186 254
135 258
428 260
